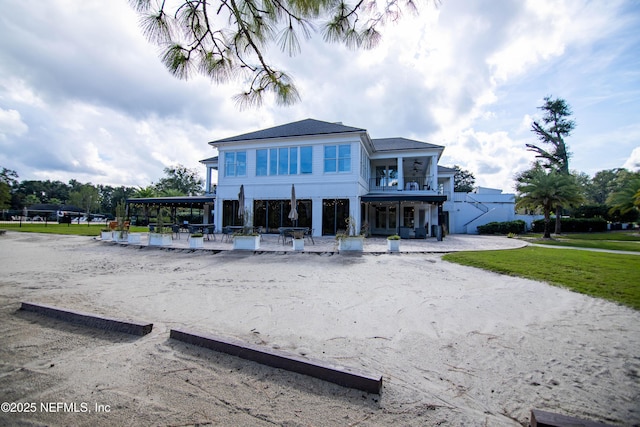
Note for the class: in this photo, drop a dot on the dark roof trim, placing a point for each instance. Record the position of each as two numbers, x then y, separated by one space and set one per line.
305 127
183 201
403 198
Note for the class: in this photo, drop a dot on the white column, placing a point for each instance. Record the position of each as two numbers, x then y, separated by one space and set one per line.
434 173
400 174
316 211
207 189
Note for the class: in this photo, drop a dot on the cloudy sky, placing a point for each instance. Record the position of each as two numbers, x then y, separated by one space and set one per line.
83 95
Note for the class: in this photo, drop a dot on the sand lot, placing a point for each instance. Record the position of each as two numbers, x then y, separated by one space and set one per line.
455 345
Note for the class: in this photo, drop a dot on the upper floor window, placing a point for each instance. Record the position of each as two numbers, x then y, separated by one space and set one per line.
283 161
306 159
235 163
337 158
262 157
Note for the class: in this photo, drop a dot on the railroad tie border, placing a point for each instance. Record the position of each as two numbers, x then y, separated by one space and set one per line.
88 319
346 377
549 419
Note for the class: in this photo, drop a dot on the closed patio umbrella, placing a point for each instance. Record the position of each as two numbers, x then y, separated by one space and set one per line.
241 202
293 214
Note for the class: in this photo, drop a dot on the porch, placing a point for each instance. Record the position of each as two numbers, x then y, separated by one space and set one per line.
328 245
408 215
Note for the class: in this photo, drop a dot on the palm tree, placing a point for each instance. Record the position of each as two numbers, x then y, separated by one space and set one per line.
146 192
627 198
538 188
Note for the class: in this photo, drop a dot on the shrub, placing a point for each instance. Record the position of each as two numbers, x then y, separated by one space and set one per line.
507 227
573 225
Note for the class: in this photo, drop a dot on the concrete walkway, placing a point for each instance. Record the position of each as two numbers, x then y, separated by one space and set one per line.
375 245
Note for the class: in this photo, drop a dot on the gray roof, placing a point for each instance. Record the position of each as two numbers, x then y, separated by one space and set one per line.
443 169
209 160
300 128
391 144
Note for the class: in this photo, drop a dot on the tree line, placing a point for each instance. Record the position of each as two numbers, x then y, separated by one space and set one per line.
550 186
96 199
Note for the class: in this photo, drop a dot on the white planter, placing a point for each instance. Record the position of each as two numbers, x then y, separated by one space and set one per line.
393 245
134 238
157 239
120 236
106 235
353 243
196 242
298 244
246 243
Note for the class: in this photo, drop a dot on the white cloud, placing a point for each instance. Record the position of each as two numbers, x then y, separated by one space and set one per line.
633 162
94 103
11 124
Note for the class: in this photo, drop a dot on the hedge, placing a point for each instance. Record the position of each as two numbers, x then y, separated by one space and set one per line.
568 225
506 227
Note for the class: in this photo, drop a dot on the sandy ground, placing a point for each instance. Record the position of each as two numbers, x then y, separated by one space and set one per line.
455 345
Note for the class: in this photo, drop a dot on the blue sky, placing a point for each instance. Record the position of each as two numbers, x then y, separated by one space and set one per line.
83 95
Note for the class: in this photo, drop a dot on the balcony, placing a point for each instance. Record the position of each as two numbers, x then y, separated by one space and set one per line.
410 184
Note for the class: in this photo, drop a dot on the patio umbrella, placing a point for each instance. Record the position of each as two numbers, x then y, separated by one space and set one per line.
241 202
293 215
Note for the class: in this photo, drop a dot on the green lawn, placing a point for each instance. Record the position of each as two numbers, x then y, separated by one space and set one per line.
594 244
55 228
620 236
613 240
611 276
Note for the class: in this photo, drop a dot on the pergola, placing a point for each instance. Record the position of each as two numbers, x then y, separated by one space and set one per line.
202 203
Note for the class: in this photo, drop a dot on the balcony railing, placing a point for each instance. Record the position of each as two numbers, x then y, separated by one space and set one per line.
410 184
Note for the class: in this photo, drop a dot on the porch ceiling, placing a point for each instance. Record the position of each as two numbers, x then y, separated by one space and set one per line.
184 201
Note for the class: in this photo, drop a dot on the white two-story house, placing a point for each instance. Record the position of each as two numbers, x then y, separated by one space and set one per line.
388 186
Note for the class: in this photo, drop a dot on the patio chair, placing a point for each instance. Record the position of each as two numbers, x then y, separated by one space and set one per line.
175 229
405 232
226 234
210 231
308 234
421 233
287 235
260 230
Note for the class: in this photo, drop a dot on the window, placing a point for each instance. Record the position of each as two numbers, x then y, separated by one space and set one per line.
293 160
262 157
334 216
344 158
235 163
337 158
330 158
283 161
273 161
306 159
